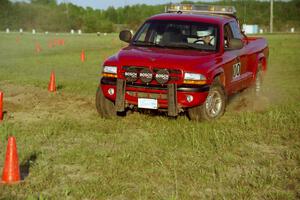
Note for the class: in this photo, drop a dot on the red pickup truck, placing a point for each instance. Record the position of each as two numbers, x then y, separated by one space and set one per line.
187 60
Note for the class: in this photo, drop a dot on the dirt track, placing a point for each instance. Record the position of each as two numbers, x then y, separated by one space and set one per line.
246 101
29 104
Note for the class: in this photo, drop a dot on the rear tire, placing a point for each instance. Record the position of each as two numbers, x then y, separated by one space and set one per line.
213 107
105 107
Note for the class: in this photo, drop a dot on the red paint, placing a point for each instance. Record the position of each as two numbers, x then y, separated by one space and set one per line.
82 56
61 42
51 85
38 48
17 40
208 63
50 44
11 171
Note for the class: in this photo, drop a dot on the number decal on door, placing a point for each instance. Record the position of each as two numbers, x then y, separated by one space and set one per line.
236 70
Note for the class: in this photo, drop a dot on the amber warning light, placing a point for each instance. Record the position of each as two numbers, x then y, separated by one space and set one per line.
201 9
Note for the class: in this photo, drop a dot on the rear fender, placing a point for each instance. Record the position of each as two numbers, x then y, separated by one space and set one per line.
261 62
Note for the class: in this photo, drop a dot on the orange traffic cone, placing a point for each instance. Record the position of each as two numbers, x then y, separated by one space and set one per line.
1 106
56 41
38 48
49 44
11 170
61 42
52 86
17 40
53 43
82 56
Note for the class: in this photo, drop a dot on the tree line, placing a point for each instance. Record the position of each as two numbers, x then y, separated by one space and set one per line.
48 15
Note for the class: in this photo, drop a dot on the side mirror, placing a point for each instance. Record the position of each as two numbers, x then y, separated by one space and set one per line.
235 44
125 36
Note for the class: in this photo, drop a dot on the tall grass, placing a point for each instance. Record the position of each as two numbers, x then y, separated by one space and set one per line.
69 152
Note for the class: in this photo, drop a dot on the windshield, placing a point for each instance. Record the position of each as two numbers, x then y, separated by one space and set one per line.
177 34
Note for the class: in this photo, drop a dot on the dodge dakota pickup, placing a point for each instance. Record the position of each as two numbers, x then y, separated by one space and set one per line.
187 60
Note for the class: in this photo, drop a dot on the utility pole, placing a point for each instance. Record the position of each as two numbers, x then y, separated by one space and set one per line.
271 16
245 12
67 8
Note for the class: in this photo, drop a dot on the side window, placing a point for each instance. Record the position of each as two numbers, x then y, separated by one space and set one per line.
143 33
228 35
236 30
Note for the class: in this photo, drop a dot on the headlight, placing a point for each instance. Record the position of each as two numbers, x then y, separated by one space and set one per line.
110 71
194 78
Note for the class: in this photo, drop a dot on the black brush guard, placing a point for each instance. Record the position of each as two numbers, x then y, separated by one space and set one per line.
172 98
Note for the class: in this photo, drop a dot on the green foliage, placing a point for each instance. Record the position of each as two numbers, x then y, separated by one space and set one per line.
47 15
44 2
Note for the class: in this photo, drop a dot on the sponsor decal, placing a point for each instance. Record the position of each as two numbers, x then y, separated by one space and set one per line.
236 70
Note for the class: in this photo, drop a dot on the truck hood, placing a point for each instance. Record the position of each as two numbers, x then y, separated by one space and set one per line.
187 59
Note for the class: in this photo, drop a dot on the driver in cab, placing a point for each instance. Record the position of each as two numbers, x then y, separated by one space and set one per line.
205 37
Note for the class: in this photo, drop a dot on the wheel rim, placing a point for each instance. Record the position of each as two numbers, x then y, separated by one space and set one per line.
214 104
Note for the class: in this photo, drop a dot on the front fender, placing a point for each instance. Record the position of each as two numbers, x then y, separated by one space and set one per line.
218 72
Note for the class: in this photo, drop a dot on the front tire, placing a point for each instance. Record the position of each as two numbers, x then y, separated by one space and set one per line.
213 107
105 107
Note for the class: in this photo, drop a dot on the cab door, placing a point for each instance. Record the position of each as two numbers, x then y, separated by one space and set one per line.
245 75
236 66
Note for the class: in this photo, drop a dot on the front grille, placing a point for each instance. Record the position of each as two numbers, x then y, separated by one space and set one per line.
150 76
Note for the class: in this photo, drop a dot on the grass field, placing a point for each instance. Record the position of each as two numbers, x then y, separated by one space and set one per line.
67 152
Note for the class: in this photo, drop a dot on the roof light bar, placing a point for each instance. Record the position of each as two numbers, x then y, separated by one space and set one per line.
201 9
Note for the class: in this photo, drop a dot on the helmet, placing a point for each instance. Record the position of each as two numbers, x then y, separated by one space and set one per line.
204 33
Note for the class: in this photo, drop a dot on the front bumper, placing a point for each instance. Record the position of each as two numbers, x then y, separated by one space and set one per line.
172 96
